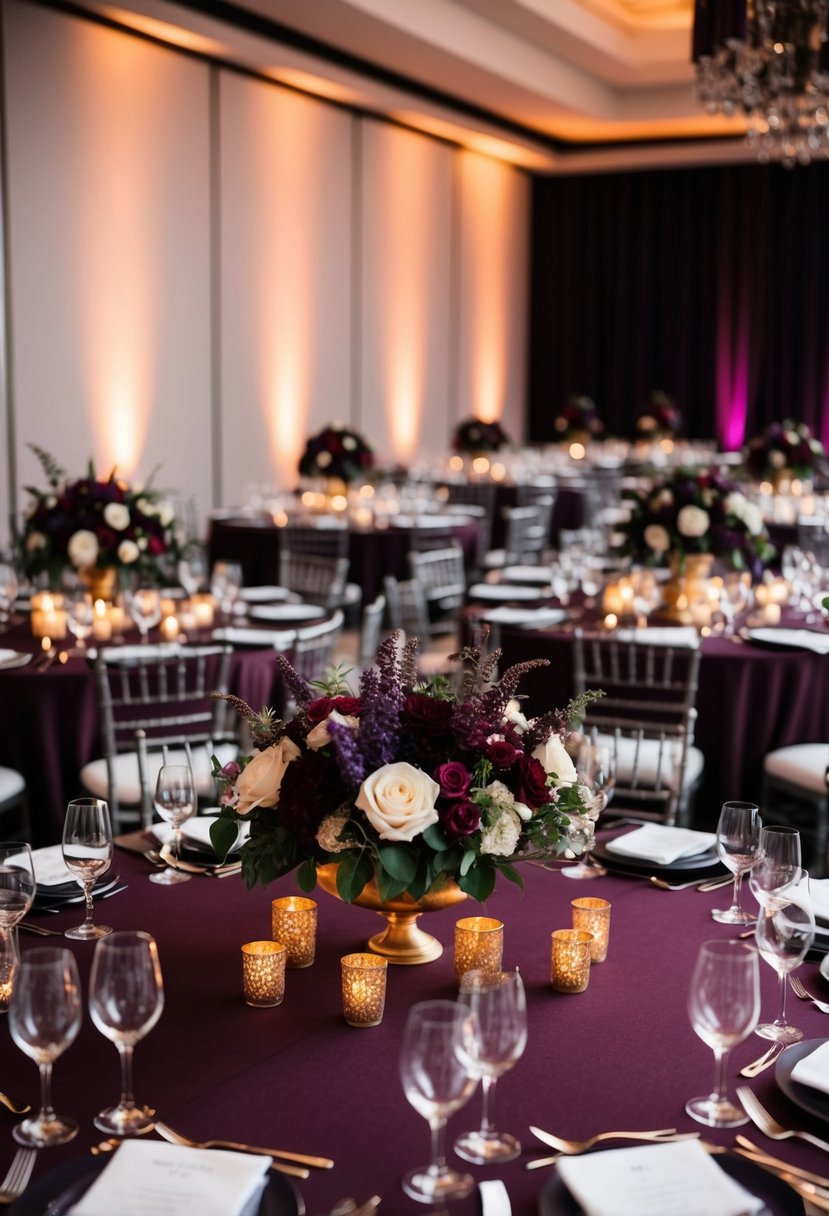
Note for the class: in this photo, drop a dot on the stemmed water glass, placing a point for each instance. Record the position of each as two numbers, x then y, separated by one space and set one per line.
192 569
225 584
778 862
723 1005
785 931
17 883
738 833
8 591
79 617
734 597
595 768
437 1083
44 1018
144 606
126 997
495 1037
87 854
175 801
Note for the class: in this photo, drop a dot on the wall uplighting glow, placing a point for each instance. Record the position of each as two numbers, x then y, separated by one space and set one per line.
732 376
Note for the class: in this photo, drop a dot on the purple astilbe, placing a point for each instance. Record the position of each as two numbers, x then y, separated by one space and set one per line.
299 690
382 697
350 760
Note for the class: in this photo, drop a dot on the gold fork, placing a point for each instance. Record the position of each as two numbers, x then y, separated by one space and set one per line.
804 994
572 1147
768 1124
763 1061
321 1163
17 1178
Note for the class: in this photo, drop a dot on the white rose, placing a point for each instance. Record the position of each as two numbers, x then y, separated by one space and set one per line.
554 758
260 781
319 735
324 460
657 538
501 838
128 552
753 518
692 521
664 498
735 504
166 515
792 438
513 716
646 423
83 548
399 801
522 810
777 460
117 515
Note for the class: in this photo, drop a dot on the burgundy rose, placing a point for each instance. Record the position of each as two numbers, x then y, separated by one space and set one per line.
502 753
459 818
428 713
453 778
532 783
319 710
231 770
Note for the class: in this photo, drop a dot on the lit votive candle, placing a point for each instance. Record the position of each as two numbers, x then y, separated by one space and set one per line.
294 923
263 973
479 945
101 624
169 628
593 915
570 960
203 610
48 616
364 988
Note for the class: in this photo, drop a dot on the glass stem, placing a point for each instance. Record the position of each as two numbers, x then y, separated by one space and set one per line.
47 1111
176 844
487 1088
127 1097
782 985
738 882
719 1074
438 1128
87 891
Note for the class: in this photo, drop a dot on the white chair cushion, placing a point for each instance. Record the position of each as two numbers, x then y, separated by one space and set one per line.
94 774
649 760
801 764
12 785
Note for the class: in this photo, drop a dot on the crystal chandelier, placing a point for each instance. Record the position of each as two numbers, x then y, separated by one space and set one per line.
768 59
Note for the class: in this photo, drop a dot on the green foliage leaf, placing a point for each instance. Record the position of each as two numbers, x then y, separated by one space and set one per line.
223 833
306 875
512 874
467 861
388 886
435 838
423 879
353 872
479 882
400 862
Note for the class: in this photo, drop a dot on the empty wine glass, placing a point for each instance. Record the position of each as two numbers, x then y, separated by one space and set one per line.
144 606
734 596
8 591
192 569
738 833
494 1038
785 931
595 768
778 862
44 1018
126 997
79 618
87 854
437 1083
225 584
175 801
17 882
723 1005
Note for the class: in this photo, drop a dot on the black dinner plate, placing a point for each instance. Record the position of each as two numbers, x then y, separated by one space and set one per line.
71 893
808 1099
56 1192
640 865
778 1196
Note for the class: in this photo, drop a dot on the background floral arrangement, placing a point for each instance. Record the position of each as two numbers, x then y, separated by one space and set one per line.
89 523
336 451
408 783
659 419
473 435
695 511
578 418
787 447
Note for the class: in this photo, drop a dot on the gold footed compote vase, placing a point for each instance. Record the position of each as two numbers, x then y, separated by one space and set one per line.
402 941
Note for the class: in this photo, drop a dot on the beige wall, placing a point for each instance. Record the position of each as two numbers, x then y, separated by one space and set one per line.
204 268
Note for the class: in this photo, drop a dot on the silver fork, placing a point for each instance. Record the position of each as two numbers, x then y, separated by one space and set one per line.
17 1179
769 1125
804 995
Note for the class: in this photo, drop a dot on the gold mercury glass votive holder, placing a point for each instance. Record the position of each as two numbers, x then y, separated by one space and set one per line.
9 962
479 945
263 973
593 915
294 923
570 960
364 988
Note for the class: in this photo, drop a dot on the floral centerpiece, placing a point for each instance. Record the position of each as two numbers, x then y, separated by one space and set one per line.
659 418
578 419
336 452
784 449
475 436
407 784
95 524
691 512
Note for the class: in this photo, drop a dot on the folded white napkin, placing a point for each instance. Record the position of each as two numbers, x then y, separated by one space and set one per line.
655 1180
660 844
679 635
277 639
527 574
813 1069
800 639
168 1180
50 868
530 617
819 892
286 612
197 831
264 595
506 591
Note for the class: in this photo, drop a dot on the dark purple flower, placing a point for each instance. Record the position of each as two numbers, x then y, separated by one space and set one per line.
427 714
532 783
501 753
459 818
453 778
319 710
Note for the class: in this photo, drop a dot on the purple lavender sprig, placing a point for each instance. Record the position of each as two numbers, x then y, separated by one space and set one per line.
350 760
381 692
298 688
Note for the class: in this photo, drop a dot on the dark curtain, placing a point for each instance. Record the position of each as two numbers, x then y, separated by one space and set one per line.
710 284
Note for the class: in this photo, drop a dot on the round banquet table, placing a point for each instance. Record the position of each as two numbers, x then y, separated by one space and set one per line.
373 552
620 1055
49 720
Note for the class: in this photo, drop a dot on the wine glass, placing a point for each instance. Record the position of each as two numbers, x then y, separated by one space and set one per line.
17 882
175 801
494 1038
595 768
192 569
87 854
723 1005
785 931
8 591
733 598
778 862
437 1083
225 584
738 833
126 997
144 606
79 618
44 1018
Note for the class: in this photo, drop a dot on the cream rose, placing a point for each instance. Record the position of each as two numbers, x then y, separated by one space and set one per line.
657 538
128 552
554 758
117 515
399 801
319 736
260 781
692 521
82 548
